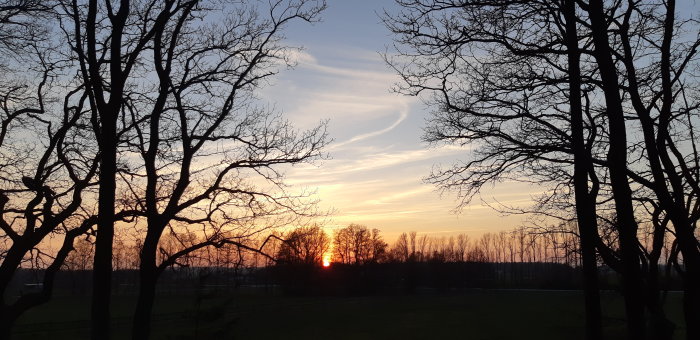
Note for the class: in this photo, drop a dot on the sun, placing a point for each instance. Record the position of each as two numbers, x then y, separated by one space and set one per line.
326 261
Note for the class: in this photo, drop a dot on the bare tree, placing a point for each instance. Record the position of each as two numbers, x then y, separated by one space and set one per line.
655 89
519 79
401 249
81 256
356 244
304 245
462 247
210 156
47 160
183 141
20 22
379 247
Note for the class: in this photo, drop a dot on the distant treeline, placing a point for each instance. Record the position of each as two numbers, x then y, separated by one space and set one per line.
361 263
357 244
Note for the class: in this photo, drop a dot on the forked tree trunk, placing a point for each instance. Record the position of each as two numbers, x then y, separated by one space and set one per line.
108 111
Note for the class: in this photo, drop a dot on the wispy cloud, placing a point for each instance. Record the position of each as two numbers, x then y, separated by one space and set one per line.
399 195
387 159
374 175
305 60
353 96
402 116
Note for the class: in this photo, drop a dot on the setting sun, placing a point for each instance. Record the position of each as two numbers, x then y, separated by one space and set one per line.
326 261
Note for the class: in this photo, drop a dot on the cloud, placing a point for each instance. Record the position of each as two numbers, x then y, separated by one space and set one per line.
402 116
301 57
387 159
400 195
374 175
307 61
353 95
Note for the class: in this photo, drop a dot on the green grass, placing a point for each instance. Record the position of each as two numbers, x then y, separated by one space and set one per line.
477 314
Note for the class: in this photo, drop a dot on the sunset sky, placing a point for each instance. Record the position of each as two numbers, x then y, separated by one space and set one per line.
374 176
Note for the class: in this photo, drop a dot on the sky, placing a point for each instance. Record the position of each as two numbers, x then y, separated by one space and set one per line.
377 161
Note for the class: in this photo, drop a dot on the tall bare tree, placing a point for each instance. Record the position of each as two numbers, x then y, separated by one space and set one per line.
649 54
211 156
521 79
48 163
498 74
106 44
183 141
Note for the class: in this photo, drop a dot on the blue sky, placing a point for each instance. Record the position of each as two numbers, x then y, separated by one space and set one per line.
374 176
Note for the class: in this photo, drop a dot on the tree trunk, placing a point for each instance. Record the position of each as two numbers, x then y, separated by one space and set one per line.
102 268
148 277
108 113
691 304
10 263
9 266
632 285
661 327
617 165
676 205
585 201
144 305
691 288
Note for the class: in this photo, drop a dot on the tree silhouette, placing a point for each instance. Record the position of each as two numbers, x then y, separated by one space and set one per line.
356 244
521 80
304 245
208 156
499 74
47 165
163 116
655 93
105 45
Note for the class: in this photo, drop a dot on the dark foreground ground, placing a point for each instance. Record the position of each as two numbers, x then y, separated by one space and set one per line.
474 314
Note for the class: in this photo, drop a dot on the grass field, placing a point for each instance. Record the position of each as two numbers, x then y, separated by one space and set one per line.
475 314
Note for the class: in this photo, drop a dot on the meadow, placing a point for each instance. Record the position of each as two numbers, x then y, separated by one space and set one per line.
470 314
